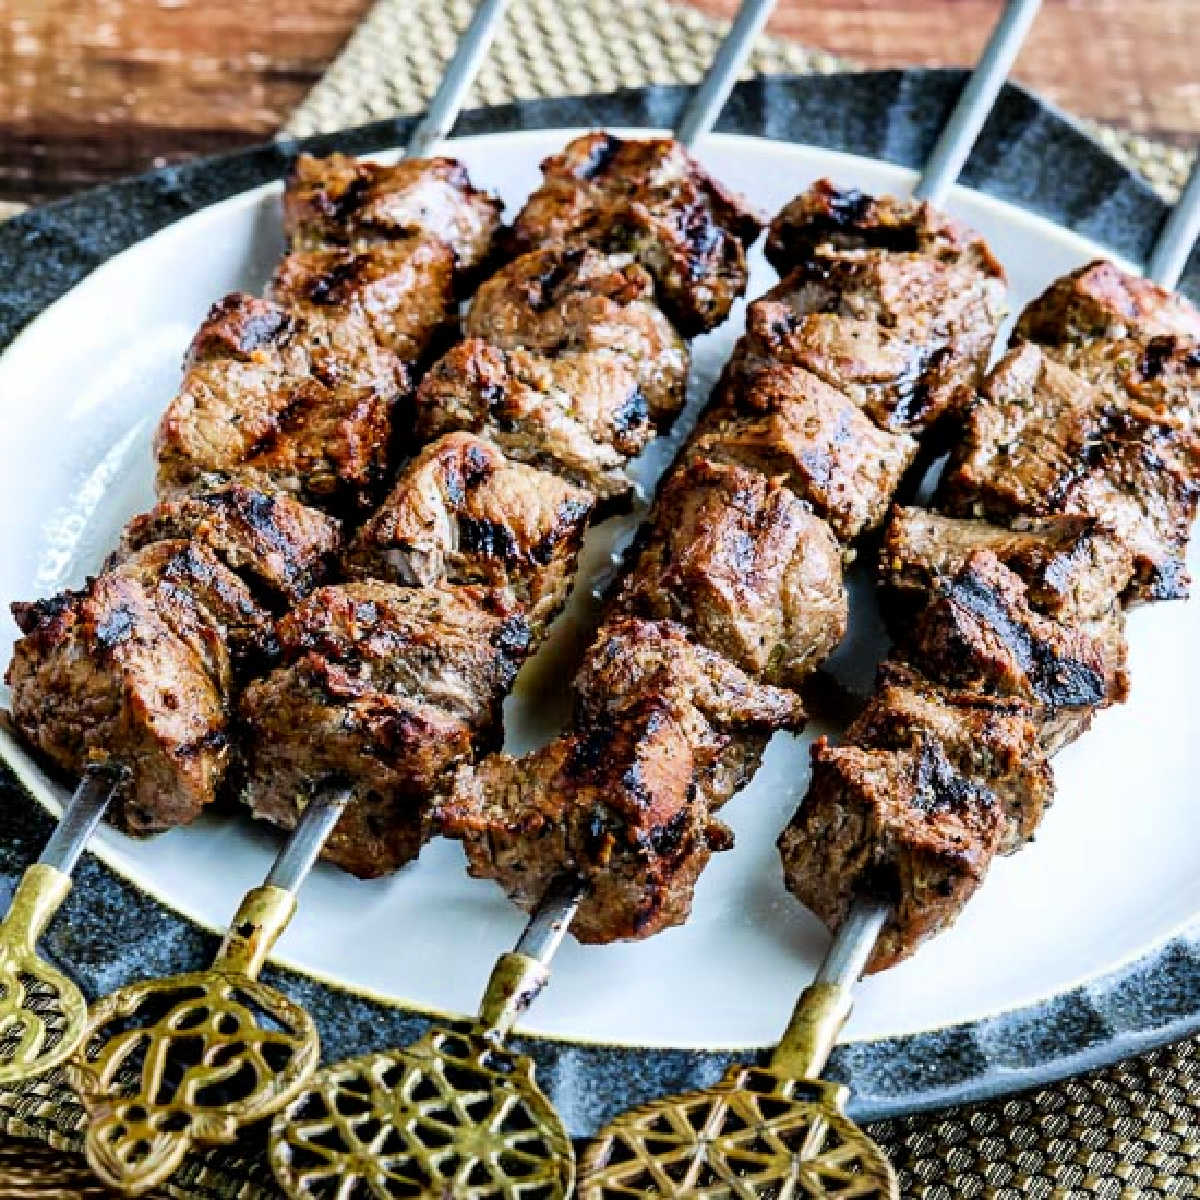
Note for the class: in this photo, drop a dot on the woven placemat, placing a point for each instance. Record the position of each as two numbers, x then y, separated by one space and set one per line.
1130 1131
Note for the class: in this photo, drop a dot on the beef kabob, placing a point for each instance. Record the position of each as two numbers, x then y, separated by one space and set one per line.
131 680
1009 638
736 586
776 1129
387 680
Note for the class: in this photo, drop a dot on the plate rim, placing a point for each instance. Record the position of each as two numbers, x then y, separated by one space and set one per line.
893 115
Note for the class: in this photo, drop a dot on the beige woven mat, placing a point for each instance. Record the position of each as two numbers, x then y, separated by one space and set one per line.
1130 1131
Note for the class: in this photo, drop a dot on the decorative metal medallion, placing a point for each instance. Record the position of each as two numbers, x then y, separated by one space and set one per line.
758 1133
170 1064
42 1013
451 1116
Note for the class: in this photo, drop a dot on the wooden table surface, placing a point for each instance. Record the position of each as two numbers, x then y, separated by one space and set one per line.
93 89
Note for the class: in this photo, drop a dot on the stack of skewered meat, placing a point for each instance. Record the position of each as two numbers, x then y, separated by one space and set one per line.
872 343
1069 496
296 613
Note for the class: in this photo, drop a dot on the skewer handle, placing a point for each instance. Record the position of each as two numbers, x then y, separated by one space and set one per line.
962 130
519 976
1179 233
709 98
444 108
824 1005
266 911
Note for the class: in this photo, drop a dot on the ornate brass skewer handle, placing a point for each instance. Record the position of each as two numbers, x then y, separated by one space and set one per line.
762 1133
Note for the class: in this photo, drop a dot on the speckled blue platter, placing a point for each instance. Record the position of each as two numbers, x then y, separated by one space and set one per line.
1029 156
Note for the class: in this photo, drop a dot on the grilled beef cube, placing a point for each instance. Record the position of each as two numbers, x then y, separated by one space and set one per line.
1074 566
652 199
978 631
991 740
900 824
888 301
280 547
342 201
727 714
462 513
617 804
266 399
1042 441
138 667
1161 376
383 690
403 293
745 566
1100 301
556 301
829 217
579 414
788 423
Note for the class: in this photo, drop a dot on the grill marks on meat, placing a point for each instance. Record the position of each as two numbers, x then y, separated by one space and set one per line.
736 582
787 423
1101 302
743 563
141 666
582 300
280 547
901 824
666 731
462 513
887 300
299 391
1042 440
650 199
343 201
1083 448
1072 565
274 401
385 689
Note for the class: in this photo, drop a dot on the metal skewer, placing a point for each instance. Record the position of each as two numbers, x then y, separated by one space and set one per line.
1178 236
781 1130
456 1113
163 1066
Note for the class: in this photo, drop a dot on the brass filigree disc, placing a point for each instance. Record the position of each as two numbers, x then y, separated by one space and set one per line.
169 1064
43 1015
451 1115
755 1134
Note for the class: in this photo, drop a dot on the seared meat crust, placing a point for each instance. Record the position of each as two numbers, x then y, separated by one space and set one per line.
344 201
579 414
616 803
1073 566
268 399
828 216
746 566
901 824
139 667
384 690
404 292
652 199
280 547
1042 441
788 424
462 513
979 632
992 740
557 301
1100 301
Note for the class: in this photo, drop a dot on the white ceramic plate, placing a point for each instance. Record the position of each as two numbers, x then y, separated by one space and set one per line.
1113 870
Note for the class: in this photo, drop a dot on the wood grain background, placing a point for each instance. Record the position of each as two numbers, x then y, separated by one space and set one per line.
93 89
